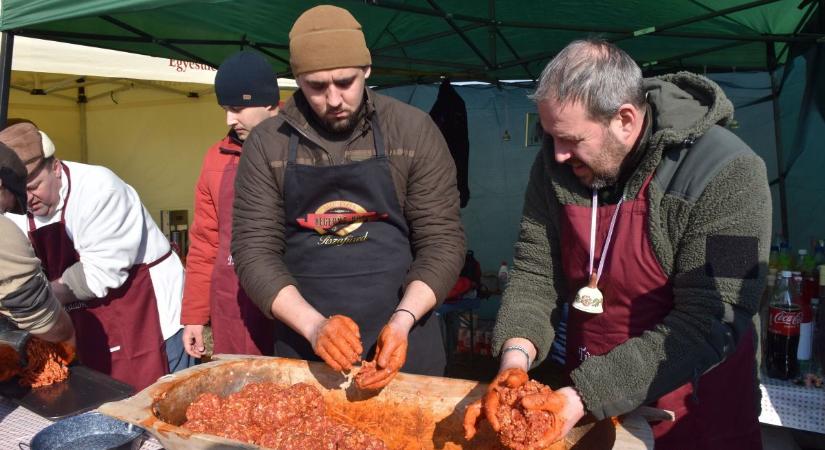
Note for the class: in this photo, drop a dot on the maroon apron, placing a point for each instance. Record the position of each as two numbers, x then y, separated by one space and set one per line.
238 326
638 295
126 319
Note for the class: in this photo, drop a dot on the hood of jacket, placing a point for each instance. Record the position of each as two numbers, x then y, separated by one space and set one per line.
684 106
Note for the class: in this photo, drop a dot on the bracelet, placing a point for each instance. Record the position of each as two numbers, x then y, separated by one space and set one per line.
518 348
408 312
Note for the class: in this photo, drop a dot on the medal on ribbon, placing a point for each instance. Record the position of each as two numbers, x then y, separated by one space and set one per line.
590 299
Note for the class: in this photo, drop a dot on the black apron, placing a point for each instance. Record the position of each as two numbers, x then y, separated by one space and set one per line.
347 246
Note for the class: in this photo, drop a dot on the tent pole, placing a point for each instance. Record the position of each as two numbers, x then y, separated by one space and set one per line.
6 49
780 163
84 141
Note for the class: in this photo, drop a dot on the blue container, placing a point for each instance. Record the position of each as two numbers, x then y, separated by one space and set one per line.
89 431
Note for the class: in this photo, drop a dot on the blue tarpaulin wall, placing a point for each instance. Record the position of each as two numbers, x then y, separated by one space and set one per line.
498 168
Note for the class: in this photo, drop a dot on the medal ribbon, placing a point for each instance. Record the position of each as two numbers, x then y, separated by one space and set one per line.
593 217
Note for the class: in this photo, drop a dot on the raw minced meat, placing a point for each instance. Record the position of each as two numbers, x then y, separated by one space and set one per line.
277 417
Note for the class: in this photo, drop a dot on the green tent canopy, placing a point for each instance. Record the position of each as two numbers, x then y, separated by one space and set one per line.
421 40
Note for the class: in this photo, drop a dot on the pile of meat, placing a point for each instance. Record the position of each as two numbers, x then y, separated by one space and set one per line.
47 363
522 428
277 417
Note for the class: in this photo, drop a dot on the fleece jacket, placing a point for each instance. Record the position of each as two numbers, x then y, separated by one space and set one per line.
710 232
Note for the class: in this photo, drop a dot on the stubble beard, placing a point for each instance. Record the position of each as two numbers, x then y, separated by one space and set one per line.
608 164
345 125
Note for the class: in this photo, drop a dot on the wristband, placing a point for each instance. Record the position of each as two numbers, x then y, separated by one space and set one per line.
518 348
408 312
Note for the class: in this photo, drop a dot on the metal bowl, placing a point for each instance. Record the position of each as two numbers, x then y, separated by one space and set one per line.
89 431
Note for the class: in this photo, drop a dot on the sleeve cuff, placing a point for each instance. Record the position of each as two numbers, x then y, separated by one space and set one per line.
75 279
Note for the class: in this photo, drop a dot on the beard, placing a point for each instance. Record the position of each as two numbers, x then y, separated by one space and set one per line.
607 166
345 125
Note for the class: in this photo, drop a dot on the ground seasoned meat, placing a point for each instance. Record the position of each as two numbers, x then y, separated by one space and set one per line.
522 428
368 368
47 363
277 417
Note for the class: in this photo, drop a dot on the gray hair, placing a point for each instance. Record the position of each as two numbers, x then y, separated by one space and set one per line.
594 72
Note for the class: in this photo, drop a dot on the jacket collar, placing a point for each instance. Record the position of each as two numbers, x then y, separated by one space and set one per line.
231 143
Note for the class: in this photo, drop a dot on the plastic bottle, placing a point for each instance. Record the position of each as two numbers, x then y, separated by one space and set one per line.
815 363
805 262
784 258
503 276
773 258
782 340
819 253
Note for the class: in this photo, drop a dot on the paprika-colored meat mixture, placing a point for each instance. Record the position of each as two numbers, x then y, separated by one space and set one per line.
521 428
47 363
277 417
368 368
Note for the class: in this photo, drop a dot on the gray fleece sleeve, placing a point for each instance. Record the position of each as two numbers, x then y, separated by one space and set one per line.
530 299
718 274
258 226
32 307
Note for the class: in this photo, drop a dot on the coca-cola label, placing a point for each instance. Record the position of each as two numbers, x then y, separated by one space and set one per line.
785 320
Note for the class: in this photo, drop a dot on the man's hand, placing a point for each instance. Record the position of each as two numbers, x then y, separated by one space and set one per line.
193 340
390 355
337 341
564 405
509 378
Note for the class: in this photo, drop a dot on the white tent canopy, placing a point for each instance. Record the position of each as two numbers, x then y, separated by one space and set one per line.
41 56
148 119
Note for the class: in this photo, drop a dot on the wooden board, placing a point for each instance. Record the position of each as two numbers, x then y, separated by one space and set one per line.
412 412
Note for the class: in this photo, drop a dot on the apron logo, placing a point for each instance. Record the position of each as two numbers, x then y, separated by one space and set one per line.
340 218
230 261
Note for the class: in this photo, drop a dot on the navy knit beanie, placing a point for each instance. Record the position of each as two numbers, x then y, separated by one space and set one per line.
246 79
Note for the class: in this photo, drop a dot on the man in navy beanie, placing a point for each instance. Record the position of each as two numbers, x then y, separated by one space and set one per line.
247 89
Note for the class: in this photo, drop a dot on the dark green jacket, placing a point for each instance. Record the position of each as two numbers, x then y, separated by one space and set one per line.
692 201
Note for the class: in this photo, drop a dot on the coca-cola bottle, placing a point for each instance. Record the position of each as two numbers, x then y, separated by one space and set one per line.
784 317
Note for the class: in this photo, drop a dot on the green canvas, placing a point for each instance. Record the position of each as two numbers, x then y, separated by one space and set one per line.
421 40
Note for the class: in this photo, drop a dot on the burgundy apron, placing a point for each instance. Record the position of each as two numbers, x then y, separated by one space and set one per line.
638 294
238 326
119 334
356 267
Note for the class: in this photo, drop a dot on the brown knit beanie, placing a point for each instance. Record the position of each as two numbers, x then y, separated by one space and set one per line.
326 37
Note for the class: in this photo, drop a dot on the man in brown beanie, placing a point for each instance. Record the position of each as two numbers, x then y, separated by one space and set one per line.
25 297
247 89
106 260
346 222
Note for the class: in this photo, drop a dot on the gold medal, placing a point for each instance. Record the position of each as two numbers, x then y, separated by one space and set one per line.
589 299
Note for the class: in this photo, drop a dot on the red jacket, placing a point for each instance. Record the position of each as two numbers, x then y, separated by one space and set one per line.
203 236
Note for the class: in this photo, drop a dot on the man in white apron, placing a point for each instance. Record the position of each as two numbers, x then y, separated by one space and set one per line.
106 259
25 298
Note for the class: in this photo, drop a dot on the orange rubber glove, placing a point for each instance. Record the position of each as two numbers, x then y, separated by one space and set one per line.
390 355
510 378
338 342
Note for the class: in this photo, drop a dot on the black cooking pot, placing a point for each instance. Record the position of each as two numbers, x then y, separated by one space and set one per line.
89 431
